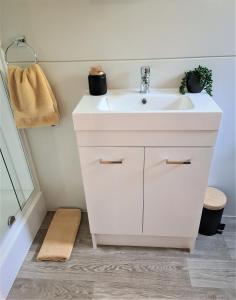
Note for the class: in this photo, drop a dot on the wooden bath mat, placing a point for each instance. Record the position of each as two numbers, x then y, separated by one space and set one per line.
61 234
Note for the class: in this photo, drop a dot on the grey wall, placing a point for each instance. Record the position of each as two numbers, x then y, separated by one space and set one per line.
171 36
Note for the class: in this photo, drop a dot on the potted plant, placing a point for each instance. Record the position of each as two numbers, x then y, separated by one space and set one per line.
197 80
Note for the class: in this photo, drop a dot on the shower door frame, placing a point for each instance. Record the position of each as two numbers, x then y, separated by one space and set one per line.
18 239
24 143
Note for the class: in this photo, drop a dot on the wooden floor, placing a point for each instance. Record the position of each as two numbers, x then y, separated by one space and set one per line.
131 272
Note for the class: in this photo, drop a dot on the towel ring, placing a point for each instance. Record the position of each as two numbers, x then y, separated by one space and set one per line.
21 42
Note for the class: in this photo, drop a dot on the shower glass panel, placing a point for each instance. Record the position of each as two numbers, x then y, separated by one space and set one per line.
9 205
10 168
24 182
16 184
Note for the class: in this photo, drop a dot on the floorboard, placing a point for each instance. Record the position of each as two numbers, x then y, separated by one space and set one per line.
111 272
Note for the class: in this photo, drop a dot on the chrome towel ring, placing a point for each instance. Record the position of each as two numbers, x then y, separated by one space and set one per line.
21 42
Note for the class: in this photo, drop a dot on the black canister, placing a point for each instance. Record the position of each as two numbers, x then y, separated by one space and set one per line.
213 207
97 82
211 222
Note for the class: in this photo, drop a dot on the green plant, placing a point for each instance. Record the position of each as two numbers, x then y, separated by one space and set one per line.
205 76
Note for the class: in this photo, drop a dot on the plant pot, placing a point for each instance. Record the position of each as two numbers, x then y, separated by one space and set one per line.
193 83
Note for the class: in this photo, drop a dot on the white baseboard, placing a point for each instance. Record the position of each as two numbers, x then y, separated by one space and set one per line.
17 241
144 241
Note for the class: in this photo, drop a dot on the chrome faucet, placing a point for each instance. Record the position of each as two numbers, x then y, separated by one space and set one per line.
145 79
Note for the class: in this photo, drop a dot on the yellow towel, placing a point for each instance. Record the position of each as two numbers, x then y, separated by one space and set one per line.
61 234
32 99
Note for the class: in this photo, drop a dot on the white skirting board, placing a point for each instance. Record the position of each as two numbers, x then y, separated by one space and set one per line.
144 241
17 241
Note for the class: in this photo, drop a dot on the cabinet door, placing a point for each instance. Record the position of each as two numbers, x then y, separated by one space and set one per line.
174 192
113 182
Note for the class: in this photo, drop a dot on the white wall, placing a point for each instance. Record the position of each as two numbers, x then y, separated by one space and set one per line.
171 36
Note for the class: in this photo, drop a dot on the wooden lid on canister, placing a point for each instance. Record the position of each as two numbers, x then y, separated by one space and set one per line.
214 199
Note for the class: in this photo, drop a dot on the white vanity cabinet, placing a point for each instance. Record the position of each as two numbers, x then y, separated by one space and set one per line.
145 166
113 182
174 190
135 192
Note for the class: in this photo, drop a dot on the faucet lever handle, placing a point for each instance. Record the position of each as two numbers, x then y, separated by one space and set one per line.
145 70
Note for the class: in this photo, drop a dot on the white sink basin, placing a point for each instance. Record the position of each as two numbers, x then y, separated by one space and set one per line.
163 110
143 103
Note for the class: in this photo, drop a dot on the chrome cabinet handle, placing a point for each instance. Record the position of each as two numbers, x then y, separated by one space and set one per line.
178 162
11 220
110 162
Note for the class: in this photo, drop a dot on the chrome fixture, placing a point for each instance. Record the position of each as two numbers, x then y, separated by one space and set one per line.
145 79
110 162
11 220
178 162
21 42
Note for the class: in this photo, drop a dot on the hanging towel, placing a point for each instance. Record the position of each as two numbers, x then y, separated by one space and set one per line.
32 99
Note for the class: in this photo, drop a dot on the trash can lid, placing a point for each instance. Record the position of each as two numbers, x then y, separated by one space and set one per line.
214 199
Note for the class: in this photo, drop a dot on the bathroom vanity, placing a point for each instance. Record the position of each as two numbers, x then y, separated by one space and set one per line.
145 161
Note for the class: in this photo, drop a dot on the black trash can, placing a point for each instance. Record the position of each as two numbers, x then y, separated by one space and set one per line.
213 208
